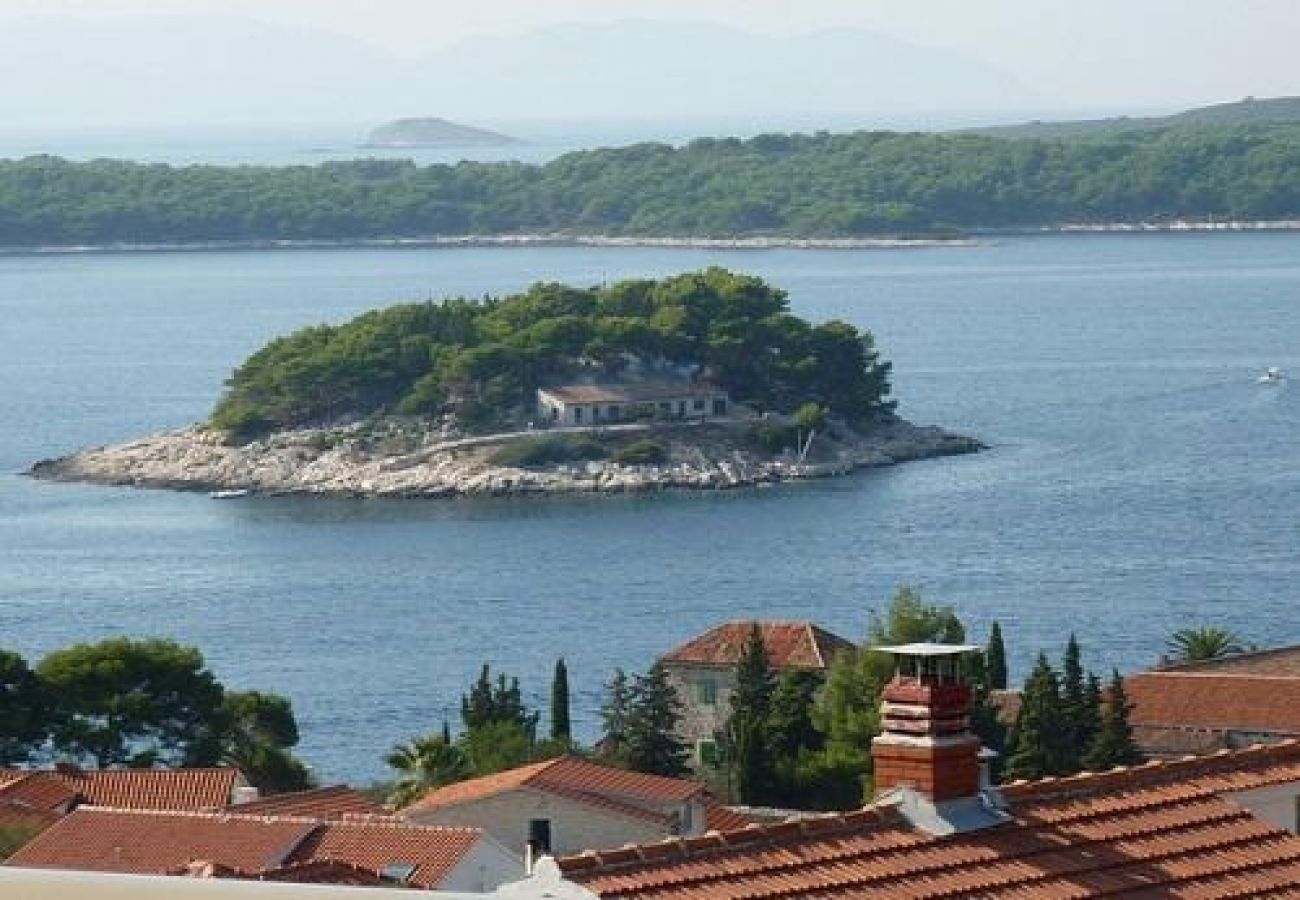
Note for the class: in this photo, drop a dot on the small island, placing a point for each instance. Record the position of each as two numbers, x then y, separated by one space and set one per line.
429 132
700 380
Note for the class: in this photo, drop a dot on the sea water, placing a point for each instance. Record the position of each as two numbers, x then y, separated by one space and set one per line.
1138 479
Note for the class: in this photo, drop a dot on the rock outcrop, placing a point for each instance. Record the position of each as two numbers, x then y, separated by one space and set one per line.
397 462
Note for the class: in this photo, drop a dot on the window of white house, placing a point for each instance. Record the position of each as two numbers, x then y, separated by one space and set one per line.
706 692
577 414
706 751
699 404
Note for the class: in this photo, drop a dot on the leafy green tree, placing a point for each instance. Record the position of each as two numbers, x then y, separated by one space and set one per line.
1206 642
560 731
129 702
497 746
793 740
909 619
258 732
1114 744
422 764
489 702
653 713
22 710
1039 743
995 660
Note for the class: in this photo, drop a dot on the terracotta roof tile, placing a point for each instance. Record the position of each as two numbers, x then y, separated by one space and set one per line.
332 802
1279 661
134 841
110 840
723 818
1159 830
1213 700
577 779
373 844
790 645
37 791
177 789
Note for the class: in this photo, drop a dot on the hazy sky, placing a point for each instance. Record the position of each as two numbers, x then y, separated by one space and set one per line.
1089 53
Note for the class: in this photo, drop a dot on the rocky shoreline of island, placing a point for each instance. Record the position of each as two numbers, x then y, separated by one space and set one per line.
392 460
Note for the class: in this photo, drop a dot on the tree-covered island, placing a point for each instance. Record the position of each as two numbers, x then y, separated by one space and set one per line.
868 183
442 398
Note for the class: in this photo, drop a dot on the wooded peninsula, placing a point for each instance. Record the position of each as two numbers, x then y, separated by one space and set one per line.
800 186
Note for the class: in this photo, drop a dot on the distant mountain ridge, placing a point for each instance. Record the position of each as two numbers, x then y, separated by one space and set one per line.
433 132
1249 111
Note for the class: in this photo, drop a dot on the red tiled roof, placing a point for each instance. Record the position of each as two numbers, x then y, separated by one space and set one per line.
576 779
723 818
143 842
373 844
790 645
1188 699
178 789
37 791
332 802
132 841
1283 661
1158 830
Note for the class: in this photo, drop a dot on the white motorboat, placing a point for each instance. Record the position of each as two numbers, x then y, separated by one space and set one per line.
228 494
1272 375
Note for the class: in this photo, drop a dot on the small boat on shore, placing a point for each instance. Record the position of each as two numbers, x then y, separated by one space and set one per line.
1272 375
231 494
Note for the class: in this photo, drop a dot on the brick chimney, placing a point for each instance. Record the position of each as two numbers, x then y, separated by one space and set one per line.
926 743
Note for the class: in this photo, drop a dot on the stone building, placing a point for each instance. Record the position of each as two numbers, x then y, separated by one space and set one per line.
603 404
703 671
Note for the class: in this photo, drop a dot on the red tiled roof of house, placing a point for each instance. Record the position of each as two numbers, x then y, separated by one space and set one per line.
1282 661
723 818
790 645
333 802
145 842
1190 700
1157 830
37 791
373 844
180 789
577 779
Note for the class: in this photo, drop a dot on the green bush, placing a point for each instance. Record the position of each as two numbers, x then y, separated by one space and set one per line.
772 437
547 449
642 453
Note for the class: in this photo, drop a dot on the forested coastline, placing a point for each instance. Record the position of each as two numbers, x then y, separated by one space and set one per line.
863 184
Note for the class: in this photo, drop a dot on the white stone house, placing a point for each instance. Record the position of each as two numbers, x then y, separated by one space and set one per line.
568 805
602 404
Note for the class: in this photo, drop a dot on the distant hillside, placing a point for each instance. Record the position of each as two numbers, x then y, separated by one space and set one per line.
432 132
1243 112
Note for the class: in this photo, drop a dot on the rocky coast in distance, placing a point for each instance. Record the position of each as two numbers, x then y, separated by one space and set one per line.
405 458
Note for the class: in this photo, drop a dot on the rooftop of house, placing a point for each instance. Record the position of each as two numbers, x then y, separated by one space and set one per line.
1214 700
234 845
789 645
1156 830
632 392
1278 661
619 790
174 789
333 802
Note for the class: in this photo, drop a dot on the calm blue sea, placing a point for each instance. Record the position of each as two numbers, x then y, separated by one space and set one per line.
1139 479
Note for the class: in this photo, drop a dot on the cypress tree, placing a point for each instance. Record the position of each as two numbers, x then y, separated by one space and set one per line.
1114 744
614 714
1073 703
560 731
1037 748
1089 724
995 660
751 702
651 734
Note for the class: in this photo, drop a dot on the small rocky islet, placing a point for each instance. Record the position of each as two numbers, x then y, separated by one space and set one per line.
406 459
703 380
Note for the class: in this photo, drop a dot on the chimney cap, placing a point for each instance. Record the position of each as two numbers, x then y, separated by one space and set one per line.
927 649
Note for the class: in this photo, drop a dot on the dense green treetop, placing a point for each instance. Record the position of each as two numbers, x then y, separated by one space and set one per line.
485 357
810 185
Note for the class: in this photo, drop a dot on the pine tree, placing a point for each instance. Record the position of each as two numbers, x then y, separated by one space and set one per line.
560 731
751 701
1089 724
1040 736
995 660
654 711
614 713
1114 744
1073 704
